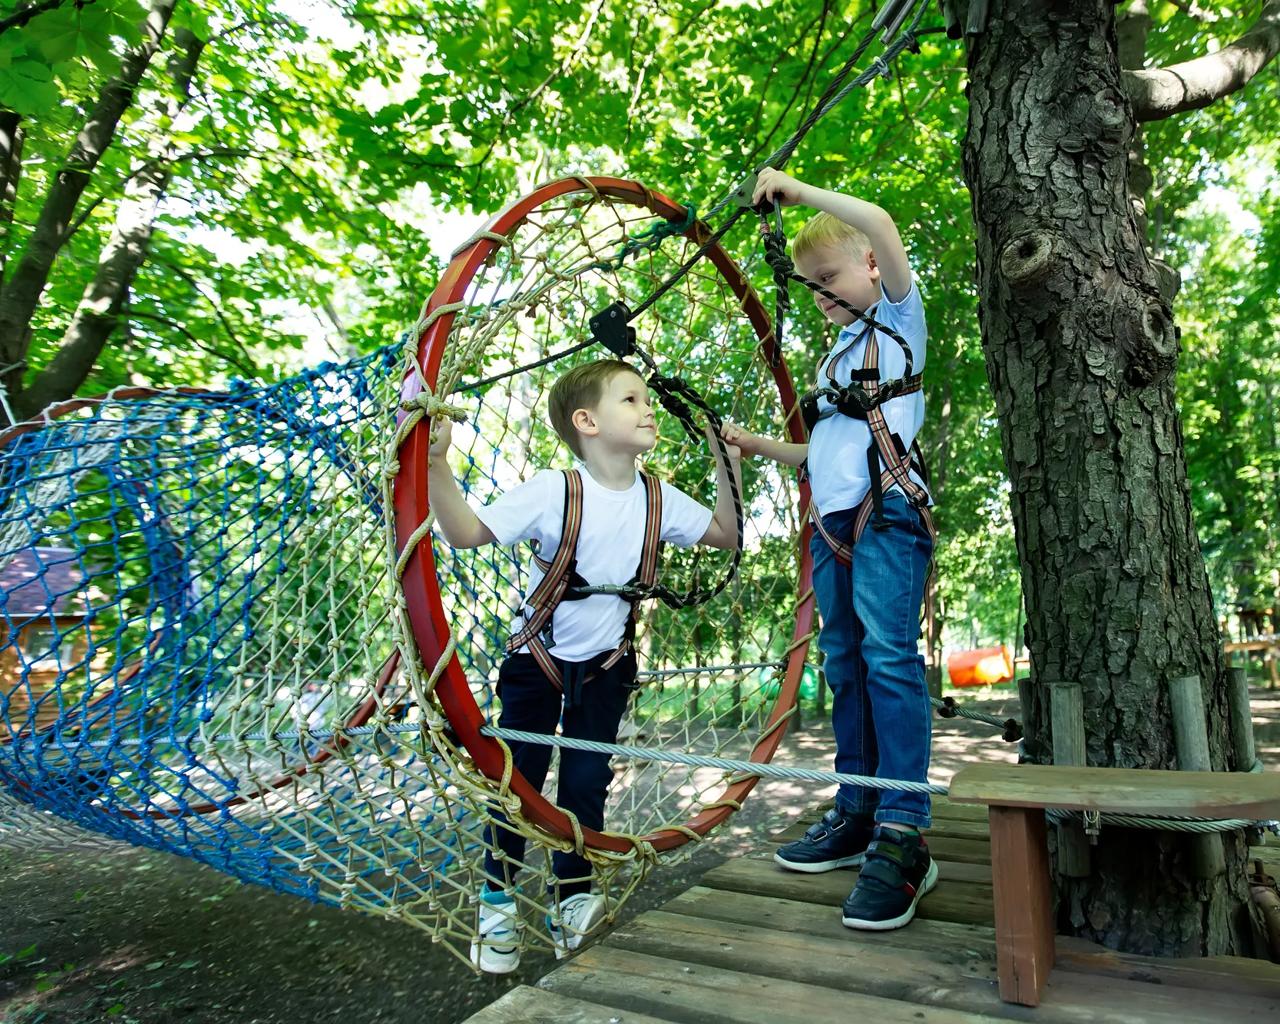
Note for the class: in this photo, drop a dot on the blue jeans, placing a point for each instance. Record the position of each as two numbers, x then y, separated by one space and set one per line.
880 710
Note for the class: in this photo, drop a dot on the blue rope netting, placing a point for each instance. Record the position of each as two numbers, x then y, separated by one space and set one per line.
187 581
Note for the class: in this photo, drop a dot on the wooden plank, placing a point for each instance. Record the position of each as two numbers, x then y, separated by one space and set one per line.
702 994
947 977
942 807
974 942
525 1005
1023 903
1121 790
1240 975
966 902
796 979
976 945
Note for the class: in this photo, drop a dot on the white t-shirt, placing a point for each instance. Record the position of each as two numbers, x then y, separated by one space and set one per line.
838 446
609 546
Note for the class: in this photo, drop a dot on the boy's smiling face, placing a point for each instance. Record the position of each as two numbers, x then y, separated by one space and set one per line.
623 419
854 278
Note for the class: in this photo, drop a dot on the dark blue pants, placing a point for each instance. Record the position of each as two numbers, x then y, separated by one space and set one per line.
880 710
532 704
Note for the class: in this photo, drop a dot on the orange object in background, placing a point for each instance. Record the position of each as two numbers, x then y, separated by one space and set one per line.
981 667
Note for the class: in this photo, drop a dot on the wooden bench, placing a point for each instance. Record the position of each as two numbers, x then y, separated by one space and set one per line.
1016 796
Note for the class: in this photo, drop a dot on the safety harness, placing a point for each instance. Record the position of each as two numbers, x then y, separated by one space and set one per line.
561 582
889 462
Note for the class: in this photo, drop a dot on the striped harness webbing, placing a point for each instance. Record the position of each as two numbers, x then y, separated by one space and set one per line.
560 578
889 463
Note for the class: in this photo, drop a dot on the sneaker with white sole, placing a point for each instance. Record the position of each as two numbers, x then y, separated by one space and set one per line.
896 875
570 923
838 840
496 947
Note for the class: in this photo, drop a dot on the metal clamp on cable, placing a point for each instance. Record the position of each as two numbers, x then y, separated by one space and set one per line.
1092 826
610 327
741 196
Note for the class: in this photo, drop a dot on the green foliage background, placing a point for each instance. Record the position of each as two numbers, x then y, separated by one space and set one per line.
331 146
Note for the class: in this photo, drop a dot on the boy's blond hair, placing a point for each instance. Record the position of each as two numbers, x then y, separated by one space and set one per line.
824 229
581 388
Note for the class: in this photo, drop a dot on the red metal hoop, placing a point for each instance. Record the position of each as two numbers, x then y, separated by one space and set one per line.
421 586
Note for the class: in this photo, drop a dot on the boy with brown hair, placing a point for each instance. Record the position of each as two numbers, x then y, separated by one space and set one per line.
572 657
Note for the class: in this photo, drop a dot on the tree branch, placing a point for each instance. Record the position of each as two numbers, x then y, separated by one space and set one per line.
25 14
565 64
107 193
216 306
1162 92
98 313
243 368
21 293
801 84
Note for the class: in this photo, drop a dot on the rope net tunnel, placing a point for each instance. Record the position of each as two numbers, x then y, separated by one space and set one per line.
232 634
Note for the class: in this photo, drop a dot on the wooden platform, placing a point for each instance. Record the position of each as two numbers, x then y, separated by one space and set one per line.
755 943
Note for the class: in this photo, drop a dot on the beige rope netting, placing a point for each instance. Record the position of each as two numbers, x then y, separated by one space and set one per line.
270 663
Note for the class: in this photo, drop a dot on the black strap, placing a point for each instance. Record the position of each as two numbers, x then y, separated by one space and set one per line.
878 521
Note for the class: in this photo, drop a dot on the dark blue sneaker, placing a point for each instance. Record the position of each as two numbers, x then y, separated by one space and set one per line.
837 841
897 873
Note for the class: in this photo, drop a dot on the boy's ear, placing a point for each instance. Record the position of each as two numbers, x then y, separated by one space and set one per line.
583 422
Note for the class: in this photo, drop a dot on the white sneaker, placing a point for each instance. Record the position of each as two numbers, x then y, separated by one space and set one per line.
577 916
496 947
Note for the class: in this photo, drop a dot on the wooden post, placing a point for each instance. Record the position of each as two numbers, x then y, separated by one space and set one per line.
1067 710
1022 902
1191 740
1241 719
933 680
1024 703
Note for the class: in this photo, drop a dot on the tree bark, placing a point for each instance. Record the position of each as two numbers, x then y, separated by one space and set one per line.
1080 349
98 313
10 171
22 291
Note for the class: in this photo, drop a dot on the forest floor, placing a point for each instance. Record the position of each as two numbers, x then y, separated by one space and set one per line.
133 936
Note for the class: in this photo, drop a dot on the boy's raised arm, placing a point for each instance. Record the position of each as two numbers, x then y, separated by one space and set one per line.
461 527
789 453
722 532
871 220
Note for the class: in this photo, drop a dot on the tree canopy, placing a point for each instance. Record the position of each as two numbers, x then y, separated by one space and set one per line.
189 194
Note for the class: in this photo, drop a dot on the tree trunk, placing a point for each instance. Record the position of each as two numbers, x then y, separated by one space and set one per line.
21 292
1080 350
98 313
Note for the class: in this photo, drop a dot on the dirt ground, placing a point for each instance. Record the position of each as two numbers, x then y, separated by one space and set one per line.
133 936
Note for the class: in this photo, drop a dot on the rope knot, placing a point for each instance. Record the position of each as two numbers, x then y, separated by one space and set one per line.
432 407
